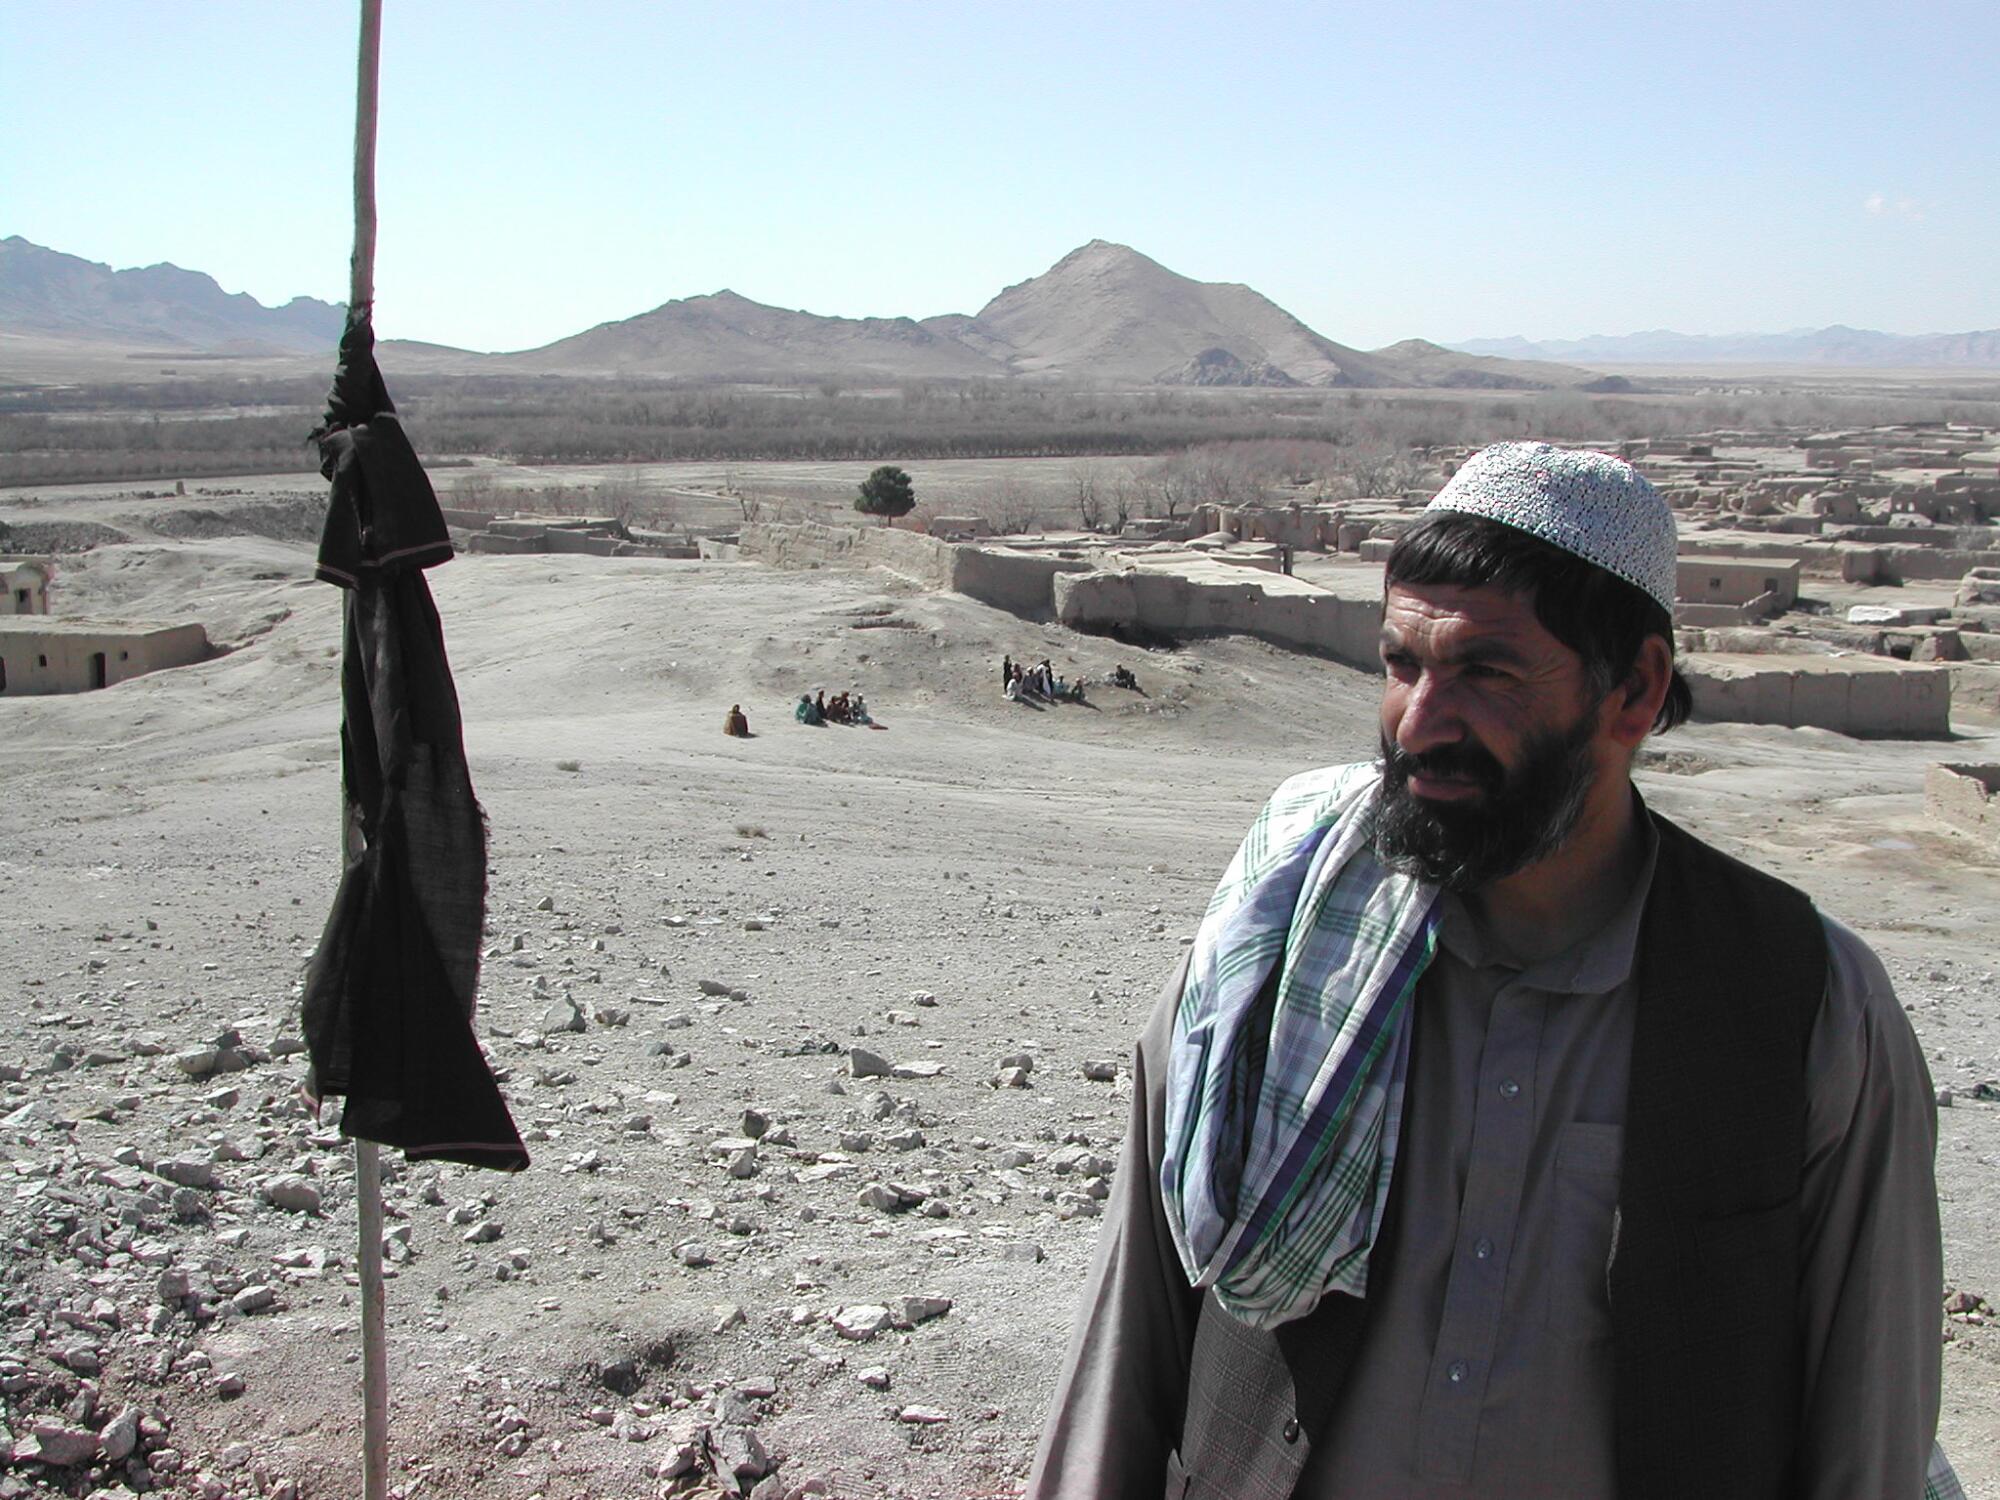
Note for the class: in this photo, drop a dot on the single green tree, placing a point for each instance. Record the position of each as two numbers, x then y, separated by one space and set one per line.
887 493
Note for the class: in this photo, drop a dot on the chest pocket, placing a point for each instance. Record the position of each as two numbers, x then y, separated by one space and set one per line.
1587 1168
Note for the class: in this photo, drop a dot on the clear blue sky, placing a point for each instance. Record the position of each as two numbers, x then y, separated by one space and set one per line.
1386 170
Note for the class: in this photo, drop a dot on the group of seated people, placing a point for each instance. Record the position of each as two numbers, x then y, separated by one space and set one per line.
1121 677
1018 681
845 708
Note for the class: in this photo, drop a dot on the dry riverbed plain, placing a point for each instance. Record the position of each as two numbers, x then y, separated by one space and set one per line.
688 936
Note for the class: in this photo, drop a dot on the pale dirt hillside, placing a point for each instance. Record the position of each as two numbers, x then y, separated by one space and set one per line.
1105 310
973 881
1428 364
726 335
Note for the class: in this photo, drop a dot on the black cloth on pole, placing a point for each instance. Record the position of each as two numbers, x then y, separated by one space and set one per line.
389 993
384 516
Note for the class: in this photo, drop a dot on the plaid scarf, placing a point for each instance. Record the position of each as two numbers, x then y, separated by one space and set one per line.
1284 1099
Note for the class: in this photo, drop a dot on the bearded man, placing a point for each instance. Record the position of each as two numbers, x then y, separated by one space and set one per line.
1497 1137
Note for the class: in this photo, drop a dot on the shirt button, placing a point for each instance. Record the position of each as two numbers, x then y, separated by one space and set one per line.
1509 1088
1456 1371
1483 1248
1291 1429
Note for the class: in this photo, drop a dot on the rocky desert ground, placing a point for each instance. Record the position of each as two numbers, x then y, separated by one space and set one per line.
818 1038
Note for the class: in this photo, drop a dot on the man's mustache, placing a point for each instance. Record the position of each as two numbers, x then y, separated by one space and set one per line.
1461 762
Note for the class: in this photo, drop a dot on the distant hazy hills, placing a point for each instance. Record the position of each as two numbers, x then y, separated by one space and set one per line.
1103 312
64 296
1837 345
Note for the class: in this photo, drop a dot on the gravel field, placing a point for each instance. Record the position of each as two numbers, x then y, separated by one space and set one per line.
697 951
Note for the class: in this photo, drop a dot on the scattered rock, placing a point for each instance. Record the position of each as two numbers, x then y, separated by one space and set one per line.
1100 1071
57 1444
120 1436
862 1322
911 1311
188 1171
922 1416
254 1299
291 1192
891 1197
861 1063
739 1455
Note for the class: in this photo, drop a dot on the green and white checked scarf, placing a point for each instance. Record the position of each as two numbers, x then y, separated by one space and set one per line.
1940 1479
1282 1115
1283 1109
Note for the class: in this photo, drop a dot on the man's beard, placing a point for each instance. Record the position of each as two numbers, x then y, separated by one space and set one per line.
1522 816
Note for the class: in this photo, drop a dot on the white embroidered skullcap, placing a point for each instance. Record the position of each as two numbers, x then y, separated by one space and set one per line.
1590 504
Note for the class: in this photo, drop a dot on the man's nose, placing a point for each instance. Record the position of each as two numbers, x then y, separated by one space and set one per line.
1429 721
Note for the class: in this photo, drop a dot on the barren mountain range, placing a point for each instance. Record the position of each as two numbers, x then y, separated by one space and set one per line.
1103 312
1835 345
45 292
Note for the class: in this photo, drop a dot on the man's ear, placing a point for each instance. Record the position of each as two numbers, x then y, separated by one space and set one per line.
1634 704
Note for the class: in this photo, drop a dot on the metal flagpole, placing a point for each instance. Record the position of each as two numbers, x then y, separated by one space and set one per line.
367 1162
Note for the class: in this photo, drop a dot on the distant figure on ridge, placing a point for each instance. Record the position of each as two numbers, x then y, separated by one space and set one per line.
735 725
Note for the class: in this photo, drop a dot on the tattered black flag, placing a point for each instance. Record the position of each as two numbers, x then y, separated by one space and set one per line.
389 995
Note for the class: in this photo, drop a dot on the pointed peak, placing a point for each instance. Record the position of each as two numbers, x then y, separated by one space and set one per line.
1103 253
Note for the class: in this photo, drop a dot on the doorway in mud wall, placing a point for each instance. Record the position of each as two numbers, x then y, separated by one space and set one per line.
96 669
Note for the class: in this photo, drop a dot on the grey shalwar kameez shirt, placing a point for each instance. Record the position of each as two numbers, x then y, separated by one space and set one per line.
1486 1369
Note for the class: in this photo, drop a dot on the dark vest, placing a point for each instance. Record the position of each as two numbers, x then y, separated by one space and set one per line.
1731 969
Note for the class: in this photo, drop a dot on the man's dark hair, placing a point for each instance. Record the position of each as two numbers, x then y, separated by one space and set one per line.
1597 614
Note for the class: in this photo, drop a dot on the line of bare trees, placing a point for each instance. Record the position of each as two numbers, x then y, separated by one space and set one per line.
1208 446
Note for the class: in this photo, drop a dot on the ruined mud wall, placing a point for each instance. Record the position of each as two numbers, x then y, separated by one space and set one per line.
807 544
1149 603
1962 797
1018 582
1904 564
1849 695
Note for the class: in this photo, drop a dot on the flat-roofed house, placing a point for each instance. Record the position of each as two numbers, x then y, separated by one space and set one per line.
1739 580
44 654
